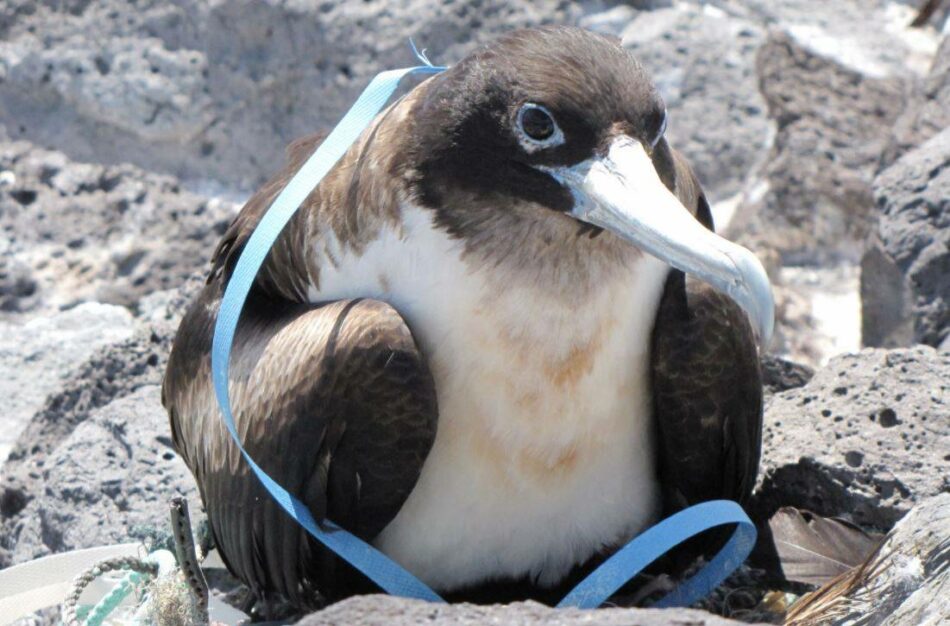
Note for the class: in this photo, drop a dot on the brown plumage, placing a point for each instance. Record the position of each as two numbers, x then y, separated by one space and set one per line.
337 399
335 403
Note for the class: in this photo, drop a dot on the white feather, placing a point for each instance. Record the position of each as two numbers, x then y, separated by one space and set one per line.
543 454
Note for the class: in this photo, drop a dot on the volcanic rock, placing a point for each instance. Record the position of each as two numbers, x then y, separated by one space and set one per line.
832 124
905 280
77 232
108 482
36 357
216 90
865 439
389 611
703 63
927 113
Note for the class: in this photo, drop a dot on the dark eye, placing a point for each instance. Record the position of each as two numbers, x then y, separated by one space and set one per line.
537 124
660 129
537 128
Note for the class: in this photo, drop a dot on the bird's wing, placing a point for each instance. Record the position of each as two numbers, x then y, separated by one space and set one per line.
284 272
707 387
335 402
345 211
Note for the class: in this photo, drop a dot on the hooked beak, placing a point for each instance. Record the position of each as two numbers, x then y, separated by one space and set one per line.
623 193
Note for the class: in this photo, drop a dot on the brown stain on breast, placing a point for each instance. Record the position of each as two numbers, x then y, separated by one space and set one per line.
545 469
528 401
524 463
488 448
563 372
546 379
579 362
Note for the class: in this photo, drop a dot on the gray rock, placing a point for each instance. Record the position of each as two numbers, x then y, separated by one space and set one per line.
18 287
108 482
795 337
212 92
77 232
649 5
780 374
868 36
904 285
886 300
610 22
865 439
110 374
927 113
381 610
832 125
36 356
703 63
216 90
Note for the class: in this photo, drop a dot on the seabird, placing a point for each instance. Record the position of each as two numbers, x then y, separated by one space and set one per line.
475 345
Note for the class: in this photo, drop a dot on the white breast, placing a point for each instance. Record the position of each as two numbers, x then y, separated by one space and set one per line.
544 453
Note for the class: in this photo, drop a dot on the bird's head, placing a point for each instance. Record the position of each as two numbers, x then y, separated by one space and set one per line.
531 145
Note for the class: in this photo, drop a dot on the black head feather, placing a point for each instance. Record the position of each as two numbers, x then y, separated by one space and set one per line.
466 147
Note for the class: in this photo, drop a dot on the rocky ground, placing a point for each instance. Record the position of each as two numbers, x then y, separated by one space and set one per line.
129 137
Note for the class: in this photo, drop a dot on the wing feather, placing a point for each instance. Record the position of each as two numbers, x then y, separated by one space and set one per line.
335 402
707 384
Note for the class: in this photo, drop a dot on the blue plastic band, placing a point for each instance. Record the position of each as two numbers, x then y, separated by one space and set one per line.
374 564
630 560
379 568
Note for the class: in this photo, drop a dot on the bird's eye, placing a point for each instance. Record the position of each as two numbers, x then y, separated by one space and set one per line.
537 123
660 131
536 128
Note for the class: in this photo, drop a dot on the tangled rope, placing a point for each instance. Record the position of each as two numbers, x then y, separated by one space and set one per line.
176 590
143 567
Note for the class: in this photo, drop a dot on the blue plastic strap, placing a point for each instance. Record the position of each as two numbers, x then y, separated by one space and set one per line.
374 564
630 560
379 568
